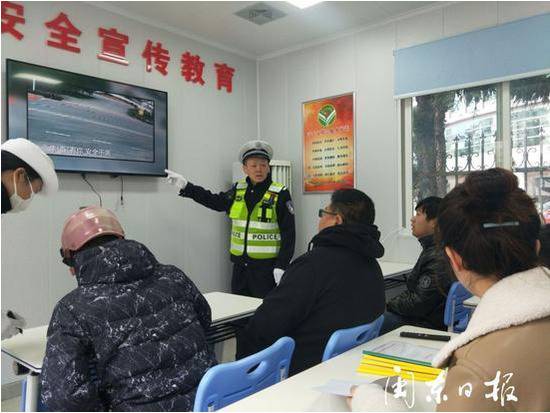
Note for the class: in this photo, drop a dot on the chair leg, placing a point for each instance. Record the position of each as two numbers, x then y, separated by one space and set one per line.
451 326
33 392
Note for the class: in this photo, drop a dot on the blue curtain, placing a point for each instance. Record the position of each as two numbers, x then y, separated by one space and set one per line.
512 50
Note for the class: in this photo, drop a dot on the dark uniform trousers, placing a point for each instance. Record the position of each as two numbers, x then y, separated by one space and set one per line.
253 280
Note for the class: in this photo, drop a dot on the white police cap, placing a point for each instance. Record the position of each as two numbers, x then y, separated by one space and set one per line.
256 148
35 157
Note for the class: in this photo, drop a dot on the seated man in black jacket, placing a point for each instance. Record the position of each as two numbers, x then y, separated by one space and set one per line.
131 336
337 284
423 302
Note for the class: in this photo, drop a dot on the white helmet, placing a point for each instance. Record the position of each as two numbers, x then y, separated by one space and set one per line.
256 148
35 157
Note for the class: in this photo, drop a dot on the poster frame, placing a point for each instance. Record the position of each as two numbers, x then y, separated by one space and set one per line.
354 122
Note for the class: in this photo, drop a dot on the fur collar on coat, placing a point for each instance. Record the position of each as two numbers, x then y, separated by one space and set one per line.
514 300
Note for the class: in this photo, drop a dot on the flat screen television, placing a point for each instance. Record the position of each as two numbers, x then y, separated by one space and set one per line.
88 124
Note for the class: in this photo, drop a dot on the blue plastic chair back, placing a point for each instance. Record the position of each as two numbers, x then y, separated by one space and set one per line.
229 382
457 316
342 340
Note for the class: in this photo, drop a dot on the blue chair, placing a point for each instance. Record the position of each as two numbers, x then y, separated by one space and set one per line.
457 316
229 382
343 340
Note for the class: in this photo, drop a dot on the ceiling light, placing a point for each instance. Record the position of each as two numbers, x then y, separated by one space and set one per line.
303 4
37 78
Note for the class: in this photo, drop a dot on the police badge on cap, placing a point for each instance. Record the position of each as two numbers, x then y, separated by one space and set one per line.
256 148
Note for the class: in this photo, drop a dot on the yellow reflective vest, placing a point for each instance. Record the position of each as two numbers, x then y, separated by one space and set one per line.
256 233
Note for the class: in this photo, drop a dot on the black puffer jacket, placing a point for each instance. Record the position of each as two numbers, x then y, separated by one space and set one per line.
338 284
130 337
427 286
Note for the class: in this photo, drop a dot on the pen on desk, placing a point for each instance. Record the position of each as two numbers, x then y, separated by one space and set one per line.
424 336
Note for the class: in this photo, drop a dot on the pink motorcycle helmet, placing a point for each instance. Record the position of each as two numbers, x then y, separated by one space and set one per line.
87 224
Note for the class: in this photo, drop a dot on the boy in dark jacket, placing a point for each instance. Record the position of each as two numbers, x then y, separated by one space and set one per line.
131 336
337 284
423 302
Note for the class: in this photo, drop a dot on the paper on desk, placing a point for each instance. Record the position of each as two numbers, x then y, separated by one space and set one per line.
406 350
339 387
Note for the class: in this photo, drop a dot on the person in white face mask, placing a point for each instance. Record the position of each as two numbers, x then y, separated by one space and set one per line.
26 171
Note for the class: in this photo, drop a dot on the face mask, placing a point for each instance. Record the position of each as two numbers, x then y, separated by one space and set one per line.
19 204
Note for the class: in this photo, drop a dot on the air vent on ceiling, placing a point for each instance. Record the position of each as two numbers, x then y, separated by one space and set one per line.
260 13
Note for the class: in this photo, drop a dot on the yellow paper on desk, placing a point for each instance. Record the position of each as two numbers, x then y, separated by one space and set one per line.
388 362
382 371
389 366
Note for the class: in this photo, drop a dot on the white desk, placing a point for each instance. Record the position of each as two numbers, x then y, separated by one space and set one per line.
29 348
227 308
394 269
471 302
394 273
230 307
296 393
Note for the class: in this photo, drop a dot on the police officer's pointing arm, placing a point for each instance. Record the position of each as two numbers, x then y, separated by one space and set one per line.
218 202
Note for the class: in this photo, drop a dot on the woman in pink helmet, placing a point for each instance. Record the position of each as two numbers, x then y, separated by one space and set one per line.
131 336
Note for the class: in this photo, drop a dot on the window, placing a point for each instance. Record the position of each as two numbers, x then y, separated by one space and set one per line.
456 132
530 130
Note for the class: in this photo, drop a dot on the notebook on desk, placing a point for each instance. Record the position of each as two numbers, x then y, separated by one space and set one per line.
412 353
396 358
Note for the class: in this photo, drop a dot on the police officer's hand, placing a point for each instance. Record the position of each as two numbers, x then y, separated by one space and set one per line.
12 323
176 179
277 275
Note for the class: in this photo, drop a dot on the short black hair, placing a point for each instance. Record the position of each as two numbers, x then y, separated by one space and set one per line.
429 206
354 206
11 162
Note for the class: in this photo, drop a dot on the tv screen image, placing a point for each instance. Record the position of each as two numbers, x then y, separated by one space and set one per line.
92 124
88 124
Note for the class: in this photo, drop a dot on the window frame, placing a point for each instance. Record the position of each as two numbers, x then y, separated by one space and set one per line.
503 146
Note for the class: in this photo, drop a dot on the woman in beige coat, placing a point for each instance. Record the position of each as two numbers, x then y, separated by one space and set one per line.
488 228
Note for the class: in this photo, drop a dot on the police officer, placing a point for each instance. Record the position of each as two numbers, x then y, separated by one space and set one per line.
26 171
263 232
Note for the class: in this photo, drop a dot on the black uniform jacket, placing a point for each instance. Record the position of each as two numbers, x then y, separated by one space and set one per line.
130 337
254 193
427 288
337 284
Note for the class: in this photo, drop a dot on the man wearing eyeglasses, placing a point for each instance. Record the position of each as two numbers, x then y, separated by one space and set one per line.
336 284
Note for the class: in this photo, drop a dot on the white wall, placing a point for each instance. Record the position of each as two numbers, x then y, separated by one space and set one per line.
206 129
363 63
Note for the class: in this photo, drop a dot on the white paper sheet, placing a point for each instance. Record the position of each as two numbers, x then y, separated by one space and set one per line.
339 387
406 350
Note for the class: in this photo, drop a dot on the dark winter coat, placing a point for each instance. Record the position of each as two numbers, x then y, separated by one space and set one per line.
423 302
337 284
130 337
